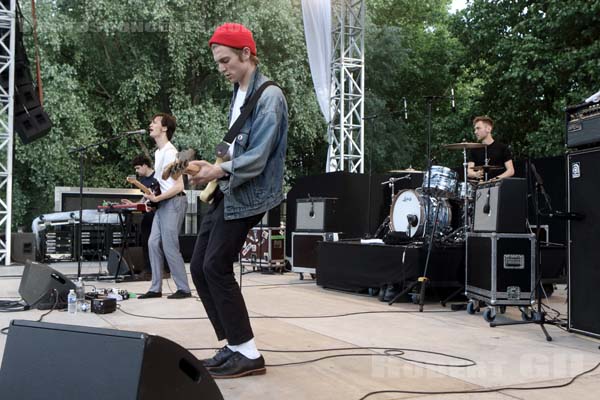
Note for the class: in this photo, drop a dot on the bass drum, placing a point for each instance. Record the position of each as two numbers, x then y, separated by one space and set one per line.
409 214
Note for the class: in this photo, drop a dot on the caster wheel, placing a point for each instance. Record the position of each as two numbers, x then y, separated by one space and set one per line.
373 292
502 309
313 276
489 314
471 308
526 314
301 276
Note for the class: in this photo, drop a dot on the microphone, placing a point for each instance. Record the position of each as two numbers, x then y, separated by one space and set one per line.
412 220
405 109
486 207
138 132
452 102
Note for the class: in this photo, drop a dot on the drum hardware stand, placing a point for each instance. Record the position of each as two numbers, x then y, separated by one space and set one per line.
391 182
538 316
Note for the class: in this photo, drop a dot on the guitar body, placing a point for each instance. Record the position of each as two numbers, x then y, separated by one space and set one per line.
153 189
208 194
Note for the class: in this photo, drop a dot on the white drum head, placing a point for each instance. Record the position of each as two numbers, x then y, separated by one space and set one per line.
406 203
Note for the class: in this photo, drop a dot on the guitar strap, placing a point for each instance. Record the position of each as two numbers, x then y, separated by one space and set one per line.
223 147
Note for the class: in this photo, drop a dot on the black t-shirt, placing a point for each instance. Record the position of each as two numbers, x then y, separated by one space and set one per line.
149 181
497 154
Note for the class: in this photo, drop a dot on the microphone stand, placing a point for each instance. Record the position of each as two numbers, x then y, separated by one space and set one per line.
424 280
79 231
537 316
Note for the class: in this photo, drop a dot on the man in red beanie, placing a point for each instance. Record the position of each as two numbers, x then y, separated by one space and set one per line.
250 182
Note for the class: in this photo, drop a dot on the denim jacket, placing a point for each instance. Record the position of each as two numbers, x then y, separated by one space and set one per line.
255 182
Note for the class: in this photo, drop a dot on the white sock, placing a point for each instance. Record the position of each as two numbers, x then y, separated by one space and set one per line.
248 349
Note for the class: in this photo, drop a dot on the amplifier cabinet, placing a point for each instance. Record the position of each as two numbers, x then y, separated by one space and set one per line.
500 268
304 249
584 242
583 125
264 247
317 214
501 206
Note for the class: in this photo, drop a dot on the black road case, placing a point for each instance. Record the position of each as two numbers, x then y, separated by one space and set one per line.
500 268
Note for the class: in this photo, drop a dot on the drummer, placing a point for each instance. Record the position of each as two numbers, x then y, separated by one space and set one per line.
494 154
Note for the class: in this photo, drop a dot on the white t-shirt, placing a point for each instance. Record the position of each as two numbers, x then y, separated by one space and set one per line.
162 158
235 113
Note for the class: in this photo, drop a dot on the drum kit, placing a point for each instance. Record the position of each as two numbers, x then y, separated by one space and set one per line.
426 212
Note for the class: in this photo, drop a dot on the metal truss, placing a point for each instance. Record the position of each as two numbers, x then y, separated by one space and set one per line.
346 129
7 74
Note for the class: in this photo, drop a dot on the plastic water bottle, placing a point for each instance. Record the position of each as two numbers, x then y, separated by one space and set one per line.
72 302
80 292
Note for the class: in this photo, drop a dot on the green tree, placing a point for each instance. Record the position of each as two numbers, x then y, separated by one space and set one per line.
108 66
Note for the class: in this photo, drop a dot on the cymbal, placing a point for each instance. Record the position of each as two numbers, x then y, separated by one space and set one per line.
464 145
409 170
487 167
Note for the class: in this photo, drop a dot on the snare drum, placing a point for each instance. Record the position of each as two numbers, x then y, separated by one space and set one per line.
409 213
442 183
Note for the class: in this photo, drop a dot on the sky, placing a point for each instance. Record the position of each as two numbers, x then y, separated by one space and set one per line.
457 5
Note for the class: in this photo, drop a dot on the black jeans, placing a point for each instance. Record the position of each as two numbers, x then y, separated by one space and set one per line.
217 247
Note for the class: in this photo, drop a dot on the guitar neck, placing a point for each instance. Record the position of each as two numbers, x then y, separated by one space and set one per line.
139 185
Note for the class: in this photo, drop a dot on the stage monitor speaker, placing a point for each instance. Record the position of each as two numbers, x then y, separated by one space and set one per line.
501 206
38 282
317 214
133 262
22 247
583 248
46 361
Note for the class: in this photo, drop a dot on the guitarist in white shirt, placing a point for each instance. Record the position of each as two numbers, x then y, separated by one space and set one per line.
169 216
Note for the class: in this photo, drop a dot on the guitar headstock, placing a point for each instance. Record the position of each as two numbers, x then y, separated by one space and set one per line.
177 167
131 179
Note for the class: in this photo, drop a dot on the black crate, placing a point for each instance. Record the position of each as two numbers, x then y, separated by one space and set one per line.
500 268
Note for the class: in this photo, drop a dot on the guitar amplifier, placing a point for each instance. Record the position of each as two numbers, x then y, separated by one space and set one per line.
583 124
501 206
317 214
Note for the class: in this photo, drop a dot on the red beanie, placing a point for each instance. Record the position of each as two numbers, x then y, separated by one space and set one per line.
233 35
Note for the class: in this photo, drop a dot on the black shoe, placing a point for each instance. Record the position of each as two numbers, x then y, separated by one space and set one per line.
237 366
222 355
180 294
149 295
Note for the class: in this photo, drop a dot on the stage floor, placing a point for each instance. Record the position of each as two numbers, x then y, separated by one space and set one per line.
505 356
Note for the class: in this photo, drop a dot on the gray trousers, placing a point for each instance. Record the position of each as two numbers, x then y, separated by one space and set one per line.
164 243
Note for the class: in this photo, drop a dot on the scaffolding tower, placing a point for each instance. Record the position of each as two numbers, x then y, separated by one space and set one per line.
346 130
7 74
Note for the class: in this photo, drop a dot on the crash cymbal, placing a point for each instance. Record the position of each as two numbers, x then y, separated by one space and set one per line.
464 145
487 168
408 170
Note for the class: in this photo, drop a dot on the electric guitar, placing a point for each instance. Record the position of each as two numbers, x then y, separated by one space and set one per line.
182 166
153 189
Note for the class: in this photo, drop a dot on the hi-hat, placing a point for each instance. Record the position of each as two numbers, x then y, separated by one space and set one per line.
487 167
464 145
409 170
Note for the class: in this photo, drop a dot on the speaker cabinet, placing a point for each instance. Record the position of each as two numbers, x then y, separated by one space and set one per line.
271 219
133 262
584 242
22 247
54 361
317 214
501 206
38 282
